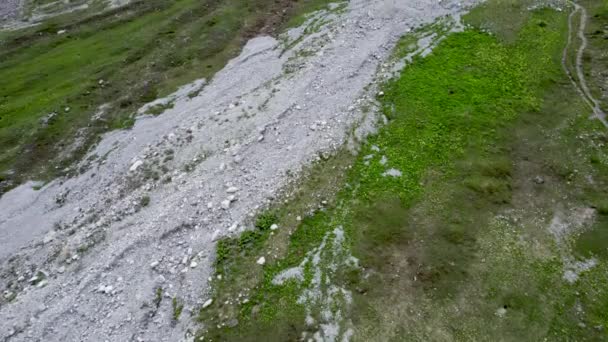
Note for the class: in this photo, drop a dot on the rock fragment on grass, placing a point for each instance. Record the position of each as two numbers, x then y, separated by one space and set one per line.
207 303
392 173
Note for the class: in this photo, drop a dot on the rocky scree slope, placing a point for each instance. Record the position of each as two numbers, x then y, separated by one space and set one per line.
82 258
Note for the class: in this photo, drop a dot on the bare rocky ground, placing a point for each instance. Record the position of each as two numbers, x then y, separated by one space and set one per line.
10 9
18 14
82 258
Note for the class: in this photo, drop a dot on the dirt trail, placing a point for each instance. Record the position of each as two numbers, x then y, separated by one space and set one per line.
90 253
581 86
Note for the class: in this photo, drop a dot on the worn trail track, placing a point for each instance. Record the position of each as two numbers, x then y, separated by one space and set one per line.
581 85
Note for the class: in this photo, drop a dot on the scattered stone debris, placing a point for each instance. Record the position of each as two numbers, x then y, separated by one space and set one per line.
321 293
9 295
501 312
106 289
392 173
39 279
574 269
207 303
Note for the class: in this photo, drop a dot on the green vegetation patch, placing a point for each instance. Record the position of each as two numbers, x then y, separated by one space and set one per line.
447 208
594 242
246 305
53 85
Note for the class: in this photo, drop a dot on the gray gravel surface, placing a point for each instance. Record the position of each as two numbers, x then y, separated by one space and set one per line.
10 9
81 259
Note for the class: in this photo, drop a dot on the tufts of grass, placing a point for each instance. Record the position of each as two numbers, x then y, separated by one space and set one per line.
602 207
158 297
381 228
144 201
178 307
504 18
245 245
593 243
159 108
265 221
307 7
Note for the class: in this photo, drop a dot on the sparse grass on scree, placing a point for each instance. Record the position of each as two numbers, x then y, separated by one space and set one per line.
492 142
141 52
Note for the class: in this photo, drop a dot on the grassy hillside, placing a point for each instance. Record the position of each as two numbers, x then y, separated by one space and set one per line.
52 85
476 213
